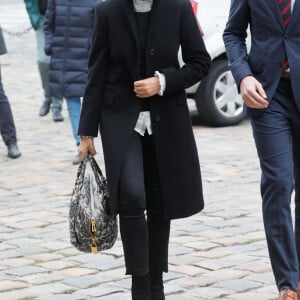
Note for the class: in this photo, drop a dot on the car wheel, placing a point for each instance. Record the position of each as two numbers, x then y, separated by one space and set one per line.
217 99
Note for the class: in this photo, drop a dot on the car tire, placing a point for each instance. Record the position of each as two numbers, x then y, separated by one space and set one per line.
217 99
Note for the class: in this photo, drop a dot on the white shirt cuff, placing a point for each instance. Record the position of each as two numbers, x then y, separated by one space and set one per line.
162 82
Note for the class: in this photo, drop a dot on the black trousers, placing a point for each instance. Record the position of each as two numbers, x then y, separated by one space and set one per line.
145 240
7 125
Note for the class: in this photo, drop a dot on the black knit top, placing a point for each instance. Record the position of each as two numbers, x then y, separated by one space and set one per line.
142 22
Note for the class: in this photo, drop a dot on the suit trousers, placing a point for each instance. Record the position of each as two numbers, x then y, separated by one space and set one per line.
145 240
7 125
277 136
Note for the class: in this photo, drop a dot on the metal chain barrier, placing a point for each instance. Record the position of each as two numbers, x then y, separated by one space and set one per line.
18 34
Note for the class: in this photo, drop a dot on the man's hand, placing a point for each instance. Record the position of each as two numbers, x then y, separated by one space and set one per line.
86 145
253 93
147 87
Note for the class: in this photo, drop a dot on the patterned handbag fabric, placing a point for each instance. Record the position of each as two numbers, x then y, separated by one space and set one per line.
92 228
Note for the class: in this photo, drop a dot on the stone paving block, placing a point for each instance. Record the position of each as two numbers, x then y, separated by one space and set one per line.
57 264
74 272
267 278
5 228
22 271
60 297
43 257
173 289
50 288
68 252
21 242
199 246
219 275
104 264
239 286
116 251
4 246
183 260
213 253
7 285
89 257
184 239
40 278
17 262
115 274
98 292
117 296
189 283
208 293
56 245
225 262
250 296
14 235
175 250
27 250
17 295
187 270
87 281
182 297
171 276
257 266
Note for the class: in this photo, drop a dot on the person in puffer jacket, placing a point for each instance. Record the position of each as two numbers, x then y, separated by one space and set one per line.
68 31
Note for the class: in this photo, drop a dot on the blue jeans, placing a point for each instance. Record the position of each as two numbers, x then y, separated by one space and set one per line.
74 106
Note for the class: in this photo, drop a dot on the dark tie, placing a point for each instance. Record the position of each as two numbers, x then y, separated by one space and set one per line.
286 14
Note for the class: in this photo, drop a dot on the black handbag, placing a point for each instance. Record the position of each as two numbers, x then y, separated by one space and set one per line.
92 227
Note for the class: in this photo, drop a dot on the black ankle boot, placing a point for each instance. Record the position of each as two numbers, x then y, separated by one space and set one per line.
140 289
157 286
44 110
13 151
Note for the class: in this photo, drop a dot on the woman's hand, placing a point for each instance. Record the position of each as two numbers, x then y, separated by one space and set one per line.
86 145
147 87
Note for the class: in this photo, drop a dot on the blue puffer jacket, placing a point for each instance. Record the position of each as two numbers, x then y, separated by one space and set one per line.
68 33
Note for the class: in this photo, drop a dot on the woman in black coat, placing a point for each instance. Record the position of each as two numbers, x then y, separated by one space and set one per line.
136 93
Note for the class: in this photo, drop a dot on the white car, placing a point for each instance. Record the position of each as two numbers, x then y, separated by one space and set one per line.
217 99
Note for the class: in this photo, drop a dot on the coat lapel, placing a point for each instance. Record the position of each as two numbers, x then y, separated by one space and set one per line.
276 12
129 11
153 20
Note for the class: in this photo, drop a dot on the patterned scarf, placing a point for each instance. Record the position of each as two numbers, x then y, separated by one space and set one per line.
142 5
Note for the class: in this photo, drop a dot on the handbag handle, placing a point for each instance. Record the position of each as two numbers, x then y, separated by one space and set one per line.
95 167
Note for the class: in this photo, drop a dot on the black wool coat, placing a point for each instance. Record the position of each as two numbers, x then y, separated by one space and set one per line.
109 99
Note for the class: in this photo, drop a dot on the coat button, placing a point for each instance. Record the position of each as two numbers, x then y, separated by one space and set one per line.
157 118
152 52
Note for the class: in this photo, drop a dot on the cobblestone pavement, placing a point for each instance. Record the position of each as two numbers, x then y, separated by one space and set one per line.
217 254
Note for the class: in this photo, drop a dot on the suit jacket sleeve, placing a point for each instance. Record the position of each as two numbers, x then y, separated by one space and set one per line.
195 57
234 37
49 26
97 70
